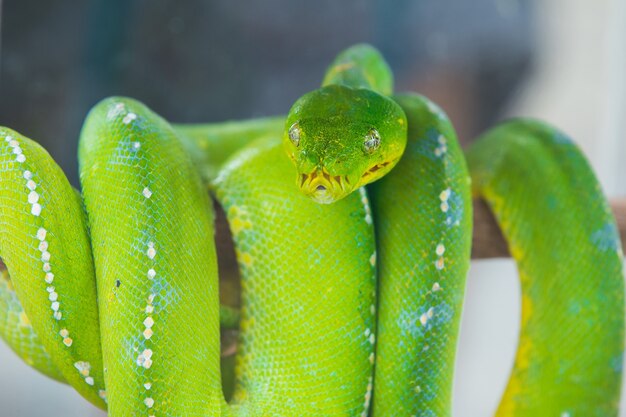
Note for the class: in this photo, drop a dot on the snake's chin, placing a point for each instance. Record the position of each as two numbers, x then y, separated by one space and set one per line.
323 197
324 194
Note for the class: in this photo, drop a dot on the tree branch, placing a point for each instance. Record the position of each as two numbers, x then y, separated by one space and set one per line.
488 242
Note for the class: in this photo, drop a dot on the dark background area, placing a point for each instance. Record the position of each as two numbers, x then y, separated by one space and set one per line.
202 61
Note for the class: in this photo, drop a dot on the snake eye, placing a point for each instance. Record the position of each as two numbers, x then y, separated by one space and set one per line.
372 141
294 134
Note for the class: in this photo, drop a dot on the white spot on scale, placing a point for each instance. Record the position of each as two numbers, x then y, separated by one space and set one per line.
83 367
17 150
151 273
148 322
8 138
147 385
439 264
46 267
64 333
55 306
36 209
49 277
33 197
89 380
13 143
151 252
427 316
440 249
45 256
149 402
146 192
368 397
67 341
148 333
28 175
115 111
365 202
21 158
445 194
30 184
41 233
435 109
436 287
43 246
53 296
136 146
149 309
442 148
144 359
129 118
58 315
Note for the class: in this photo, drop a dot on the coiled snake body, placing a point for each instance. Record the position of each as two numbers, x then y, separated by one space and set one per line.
348 309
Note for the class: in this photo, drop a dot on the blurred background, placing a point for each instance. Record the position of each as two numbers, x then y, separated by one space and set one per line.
563 61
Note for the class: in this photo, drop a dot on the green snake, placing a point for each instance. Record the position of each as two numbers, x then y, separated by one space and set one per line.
349 308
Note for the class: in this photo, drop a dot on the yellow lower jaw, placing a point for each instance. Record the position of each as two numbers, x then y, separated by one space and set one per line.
321 188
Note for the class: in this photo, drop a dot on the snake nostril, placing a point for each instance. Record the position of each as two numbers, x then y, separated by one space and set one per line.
320 188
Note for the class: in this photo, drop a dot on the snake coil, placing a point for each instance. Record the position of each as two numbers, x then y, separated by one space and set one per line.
350 307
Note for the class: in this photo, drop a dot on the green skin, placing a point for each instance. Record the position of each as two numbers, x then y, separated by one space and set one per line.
319 294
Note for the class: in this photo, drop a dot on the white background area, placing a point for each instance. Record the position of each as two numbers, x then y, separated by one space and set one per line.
579 84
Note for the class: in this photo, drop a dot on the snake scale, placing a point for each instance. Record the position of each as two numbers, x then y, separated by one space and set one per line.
351 219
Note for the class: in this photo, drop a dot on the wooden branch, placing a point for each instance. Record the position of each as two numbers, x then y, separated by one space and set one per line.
488 242
618 206
487 239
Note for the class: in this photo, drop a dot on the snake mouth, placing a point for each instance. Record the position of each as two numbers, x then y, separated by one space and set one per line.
322 187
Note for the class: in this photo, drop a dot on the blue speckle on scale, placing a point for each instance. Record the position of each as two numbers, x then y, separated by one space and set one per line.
606 238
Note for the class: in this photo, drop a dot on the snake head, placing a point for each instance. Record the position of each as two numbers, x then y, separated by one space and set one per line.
341 138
